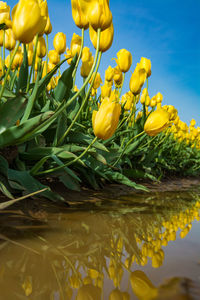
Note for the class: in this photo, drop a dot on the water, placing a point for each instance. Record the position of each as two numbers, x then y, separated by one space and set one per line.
135 246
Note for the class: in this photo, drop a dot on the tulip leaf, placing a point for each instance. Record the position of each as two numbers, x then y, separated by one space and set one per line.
61 127
18 134
11 111
118 177
79 137
23 73
29 184
65 83
5 188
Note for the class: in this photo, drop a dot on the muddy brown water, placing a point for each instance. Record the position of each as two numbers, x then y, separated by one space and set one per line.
127 246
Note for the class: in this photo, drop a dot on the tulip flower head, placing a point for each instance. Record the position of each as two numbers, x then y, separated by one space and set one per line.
124 60
106 38
59 42
79 13
27 20
106 119
157 121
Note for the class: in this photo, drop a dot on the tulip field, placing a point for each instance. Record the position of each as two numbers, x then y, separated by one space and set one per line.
97 133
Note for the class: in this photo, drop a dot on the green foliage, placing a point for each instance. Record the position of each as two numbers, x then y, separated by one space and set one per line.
36 121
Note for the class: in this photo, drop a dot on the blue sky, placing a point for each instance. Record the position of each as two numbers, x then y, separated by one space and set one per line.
167 32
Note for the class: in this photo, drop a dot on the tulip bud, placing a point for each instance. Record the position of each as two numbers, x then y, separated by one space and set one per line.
59 42
27 20
17 59
97 81
118 77
41 47
124 60
105 120
157 121
99 14
89 291
146 64
79 13
30 57
142 286
48 27
68 56
54 57
105 91
127 101
109 73
75 44
153 101
4 12
86 54
9 40
116 295
106 38
44 16
137 80
192 122
86 67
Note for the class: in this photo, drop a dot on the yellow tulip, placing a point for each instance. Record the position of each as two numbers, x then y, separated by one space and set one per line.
127 100
105 90
48 27
9 39
137 80
89 291
68 56
106 119
159 97
44 16
86 68
124 60
192 122
106 38
86 54
118 77
153 101
97 81
79 14
4 12
98 13
156 122
27 20
30 57
109 73
54 57
142 286
41 47
59 42
75 44
146 64
116 295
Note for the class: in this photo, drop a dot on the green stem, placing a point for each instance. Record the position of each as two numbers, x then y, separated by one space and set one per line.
4 54
122 85
64 105
47 58
33 64
79 57
136 136
9 68
71 162
83 103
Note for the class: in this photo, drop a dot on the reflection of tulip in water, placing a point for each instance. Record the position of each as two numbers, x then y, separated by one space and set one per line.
89 292
142 286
